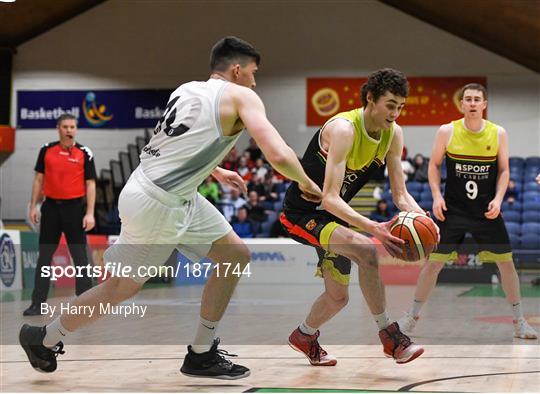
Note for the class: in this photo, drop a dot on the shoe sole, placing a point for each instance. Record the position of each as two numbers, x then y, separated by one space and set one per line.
220 377
526 336
29 353
415 355
327 364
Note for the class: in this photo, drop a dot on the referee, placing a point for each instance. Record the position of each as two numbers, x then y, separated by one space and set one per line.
65 173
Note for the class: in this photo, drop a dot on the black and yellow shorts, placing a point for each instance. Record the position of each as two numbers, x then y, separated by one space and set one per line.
490 235
315 230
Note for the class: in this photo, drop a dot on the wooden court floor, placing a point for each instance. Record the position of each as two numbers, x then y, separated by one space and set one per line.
466 332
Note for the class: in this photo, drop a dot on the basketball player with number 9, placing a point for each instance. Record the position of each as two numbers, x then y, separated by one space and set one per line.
476 154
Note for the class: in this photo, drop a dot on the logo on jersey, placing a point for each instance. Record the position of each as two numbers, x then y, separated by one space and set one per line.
151 151
95 113
473 171
8 261
311 225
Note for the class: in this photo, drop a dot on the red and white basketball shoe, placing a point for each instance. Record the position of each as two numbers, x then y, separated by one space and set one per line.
398 345
310 347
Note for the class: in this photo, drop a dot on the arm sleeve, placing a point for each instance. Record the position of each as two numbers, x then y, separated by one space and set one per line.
89 165
40 163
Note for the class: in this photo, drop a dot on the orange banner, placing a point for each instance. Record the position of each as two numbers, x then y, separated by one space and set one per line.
432 100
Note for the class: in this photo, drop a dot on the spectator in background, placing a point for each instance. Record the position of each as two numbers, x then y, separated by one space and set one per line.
256 185
254 151
65 174
420 168
270 189
242 225
261 169
255 210
512 193
249 161
243 169
381 213
231 205
209 190
231 160
406 166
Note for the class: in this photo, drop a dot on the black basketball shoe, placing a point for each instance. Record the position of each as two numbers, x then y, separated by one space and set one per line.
212 364
42 358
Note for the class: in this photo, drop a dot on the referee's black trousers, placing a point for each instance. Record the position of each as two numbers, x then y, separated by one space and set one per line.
57 217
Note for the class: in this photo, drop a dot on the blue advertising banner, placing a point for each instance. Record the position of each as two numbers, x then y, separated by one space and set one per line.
106 109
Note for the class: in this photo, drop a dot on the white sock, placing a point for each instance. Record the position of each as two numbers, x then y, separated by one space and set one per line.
305 329
416 306
206 333
382 320
518 313
56 332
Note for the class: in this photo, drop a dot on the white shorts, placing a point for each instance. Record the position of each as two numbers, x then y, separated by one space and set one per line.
155 222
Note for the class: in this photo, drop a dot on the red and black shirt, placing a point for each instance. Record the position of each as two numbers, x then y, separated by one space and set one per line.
65 170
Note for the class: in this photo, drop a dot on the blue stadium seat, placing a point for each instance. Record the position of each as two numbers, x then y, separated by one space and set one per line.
531 206
513 227
387 196
530 216
531 187
532 160
516 206
530 241
516 161
415 194
426 195
515 241
517 176
426 205
414 186
531 196
530 228
512 216
530 176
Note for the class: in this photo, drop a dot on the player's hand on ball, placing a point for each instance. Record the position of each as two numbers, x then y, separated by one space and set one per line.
494 209
310 191
381 231
439 207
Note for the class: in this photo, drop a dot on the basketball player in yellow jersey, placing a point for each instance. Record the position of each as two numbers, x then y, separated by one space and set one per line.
341 158
476 153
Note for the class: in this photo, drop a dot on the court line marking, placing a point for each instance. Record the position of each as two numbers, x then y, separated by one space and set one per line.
413 385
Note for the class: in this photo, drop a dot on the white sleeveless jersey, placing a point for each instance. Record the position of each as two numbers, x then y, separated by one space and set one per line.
188 142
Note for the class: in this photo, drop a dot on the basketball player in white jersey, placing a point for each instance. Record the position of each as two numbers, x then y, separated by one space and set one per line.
161 210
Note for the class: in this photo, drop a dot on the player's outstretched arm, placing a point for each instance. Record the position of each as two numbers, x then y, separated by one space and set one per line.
252 113
434 169
401 197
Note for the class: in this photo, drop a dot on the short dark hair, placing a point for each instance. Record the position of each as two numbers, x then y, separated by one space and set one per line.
231 49
63 117
473 86
385 80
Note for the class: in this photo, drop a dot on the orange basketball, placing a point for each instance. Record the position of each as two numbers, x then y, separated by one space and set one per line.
419 233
